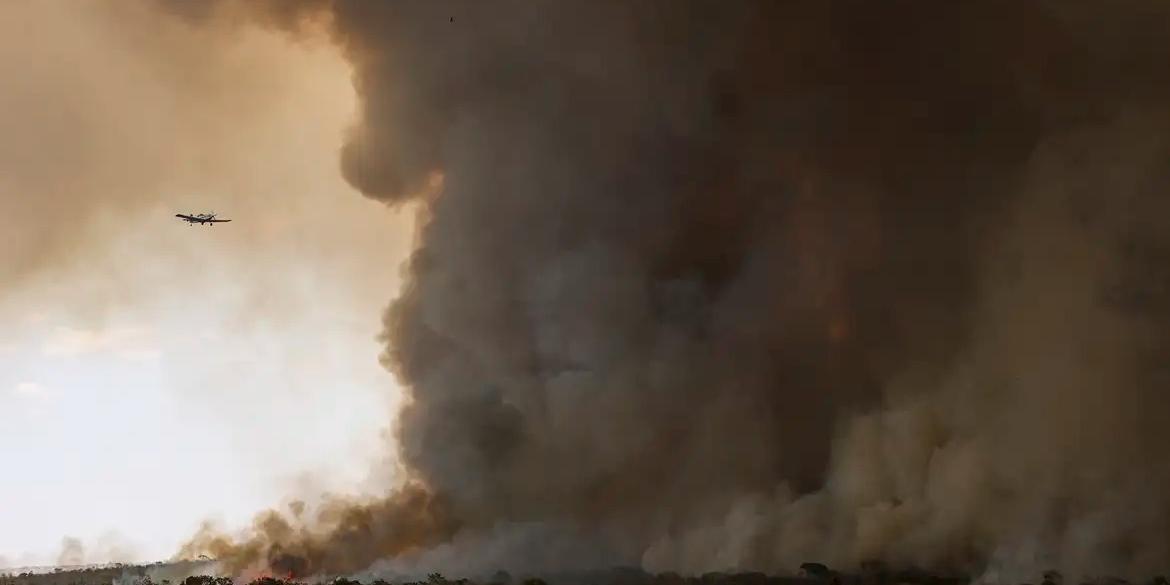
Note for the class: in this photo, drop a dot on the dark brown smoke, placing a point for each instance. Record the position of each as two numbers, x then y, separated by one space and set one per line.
348 536
739 285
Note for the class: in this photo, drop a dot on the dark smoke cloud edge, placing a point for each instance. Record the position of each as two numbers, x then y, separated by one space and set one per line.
740 286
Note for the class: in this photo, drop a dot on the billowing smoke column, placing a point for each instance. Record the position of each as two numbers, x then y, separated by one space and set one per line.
741 285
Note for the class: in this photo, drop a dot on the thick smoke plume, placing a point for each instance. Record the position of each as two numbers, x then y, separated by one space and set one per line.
355 533
741 285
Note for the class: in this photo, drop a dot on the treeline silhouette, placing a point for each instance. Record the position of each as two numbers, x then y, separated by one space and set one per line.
810 574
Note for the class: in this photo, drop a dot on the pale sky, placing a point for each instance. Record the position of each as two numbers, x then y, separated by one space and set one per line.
154 375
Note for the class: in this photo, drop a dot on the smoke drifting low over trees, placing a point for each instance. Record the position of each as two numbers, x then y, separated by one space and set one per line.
740 285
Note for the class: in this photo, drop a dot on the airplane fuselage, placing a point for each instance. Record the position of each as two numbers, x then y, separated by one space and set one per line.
200 218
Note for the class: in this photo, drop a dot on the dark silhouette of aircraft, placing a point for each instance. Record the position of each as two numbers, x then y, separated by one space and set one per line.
200 218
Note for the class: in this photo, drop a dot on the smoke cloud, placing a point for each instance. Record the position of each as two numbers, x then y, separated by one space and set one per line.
72 552
356 532
119 322
109 547
738 286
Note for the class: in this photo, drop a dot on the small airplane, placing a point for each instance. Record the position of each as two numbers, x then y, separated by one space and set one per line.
200 218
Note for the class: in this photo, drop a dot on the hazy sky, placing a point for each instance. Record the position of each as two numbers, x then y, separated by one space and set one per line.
153 375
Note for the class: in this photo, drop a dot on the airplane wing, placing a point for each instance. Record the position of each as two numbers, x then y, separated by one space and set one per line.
200 218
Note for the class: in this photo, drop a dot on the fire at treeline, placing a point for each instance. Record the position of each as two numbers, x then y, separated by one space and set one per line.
811 573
